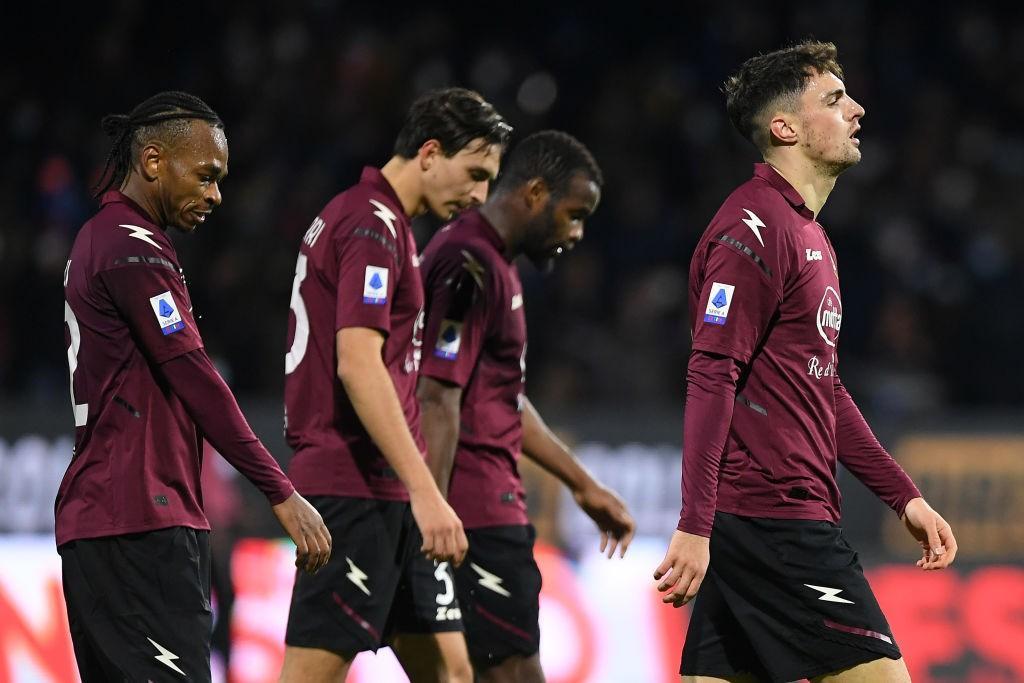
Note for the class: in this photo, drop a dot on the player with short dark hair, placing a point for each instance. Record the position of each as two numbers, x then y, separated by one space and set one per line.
355 340
767 417
476 416
130 527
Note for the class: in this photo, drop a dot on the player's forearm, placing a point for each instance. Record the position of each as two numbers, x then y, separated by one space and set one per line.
211 405
860 452
372 393
710 399
542 446
440 405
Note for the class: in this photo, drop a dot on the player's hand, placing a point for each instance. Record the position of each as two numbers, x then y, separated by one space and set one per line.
306 527
683 568
444 540
927 526
609 514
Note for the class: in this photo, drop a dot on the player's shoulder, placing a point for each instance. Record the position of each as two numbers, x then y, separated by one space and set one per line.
755 220
117 234
364 205
460 245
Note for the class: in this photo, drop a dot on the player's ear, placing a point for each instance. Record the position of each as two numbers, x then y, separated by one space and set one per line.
536 193
151 159
428 153
783 129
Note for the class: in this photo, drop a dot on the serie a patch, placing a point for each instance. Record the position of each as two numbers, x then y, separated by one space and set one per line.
719 302
375 285
167 314
448 340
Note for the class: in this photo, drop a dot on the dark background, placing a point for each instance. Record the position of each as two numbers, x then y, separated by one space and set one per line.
927 227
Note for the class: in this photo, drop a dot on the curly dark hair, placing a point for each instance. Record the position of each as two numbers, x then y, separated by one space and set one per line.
552 155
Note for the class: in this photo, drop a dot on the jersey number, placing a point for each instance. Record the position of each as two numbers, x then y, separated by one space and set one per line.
301 340
81 410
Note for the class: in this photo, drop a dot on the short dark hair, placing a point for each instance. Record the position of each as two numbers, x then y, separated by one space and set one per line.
454 117
165 116
770 79
553 156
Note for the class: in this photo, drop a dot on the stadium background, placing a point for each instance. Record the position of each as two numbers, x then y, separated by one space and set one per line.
927 229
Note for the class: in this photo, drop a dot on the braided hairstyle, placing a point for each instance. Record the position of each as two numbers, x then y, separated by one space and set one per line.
165 116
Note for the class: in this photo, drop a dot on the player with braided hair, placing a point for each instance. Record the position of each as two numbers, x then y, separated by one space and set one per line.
130 527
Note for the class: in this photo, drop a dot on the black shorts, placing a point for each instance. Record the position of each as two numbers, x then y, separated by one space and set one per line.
139 605
372 587
499 589
783 600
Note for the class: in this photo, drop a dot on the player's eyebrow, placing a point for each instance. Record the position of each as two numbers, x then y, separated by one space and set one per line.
837 93
214 168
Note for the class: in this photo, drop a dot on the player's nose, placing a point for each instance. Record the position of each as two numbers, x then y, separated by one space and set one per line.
213 196
478 195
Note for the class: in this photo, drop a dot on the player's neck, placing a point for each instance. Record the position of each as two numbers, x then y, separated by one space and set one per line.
405 179
807 180
139 193
501 219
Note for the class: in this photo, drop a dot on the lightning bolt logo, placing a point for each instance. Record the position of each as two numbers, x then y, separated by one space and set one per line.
386 215
830 594
355 574
141 234
753 222
165 656
490 581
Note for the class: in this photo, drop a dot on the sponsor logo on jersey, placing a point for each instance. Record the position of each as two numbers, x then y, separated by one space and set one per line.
813 254
166 313
830 316
718 303
448 340
817 368
375 285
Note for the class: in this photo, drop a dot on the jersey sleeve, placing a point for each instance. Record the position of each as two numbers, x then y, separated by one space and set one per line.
368 273
150 295
460 291
739 290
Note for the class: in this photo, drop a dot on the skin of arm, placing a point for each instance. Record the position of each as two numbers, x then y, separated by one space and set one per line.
366 380
602 505
440 404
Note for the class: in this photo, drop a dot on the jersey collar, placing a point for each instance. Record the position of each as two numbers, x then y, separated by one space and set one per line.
375 179
767 173
117 197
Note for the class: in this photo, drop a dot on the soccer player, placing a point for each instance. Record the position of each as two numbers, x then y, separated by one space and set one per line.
471 392
130 527
767 417
350 380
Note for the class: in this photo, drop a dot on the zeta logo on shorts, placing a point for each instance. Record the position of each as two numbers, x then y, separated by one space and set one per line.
448 340
375 285
166 313
718 303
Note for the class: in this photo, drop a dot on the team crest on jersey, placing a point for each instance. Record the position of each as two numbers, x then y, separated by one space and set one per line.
167 313
448 340
375 285
718 303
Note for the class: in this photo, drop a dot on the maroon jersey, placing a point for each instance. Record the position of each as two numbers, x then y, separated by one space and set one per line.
357 267
137 460
764 290
476 339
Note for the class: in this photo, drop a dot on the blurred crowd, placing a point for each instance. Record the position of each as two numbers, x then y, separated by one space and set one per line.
926 227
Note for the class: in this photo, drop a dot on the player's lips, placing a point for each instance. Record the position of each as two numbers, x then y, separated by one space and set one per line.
853 135
200 215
